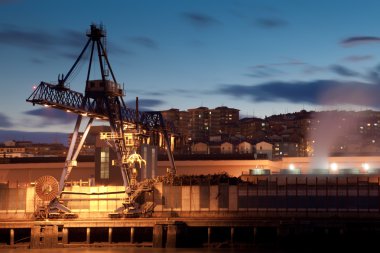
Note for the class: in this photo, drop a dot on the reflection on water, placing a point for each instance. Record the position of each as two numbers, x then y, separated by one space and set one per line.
135 250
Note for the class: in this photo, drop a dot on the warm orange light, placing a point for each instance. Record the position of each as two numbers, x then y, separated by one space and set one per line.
334 167
365 166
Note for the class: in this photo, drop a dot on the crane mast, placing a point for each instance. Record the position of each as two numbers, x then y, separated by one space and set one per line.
102 99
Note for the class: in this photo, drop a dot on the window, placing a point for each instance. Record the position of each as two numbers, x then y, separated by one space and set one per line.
104 163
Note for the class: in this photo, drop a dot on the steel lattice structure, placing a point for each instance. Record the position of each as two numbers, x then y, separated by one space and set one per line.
102 100
66 99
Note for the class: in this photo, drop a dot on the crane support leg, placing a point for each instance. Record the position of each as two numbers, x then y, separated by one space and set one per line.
64 174
170 154
68 164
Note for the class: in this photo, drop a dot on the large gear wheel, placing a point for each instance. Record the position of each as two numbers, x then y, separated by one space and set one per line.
46 188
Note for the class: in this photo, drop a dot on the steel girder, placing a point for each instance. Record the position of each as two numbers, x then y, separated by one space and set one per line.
67 99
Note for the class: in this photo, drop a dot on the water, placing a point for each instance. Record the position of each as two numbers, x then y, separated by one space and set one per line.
136 250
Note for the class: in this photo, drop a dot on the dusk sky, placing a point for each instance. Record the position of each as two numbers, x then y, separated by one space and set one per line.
262 57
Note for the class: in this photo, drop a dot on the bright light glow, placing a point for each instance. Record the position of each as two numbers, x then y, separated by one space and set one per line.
334 167
84 114
46 105
365 166
34 87
68 111
291 166
133 158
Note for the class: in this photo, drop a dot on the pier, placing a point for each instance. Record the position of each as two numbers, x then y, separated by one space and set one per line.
271 208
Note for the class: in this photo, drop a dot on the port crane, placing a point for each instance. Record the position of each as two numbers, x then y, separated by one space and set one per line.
102 100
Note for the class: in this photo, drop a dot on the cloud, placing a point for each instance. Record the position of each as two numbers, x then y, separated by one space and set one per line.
145 104
74 39
270 23
40 40
37 60
51 116
264 71
374 74
286 62
115 49
36 137
154 93
26 38
199 19
318 92
311 69
144 42
271 69
5 122
343 71
358 58
353 41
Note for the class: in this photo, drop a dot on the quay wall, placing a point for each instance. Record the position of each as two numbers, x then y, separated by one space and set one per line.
273 208
25 173
280 193
238 167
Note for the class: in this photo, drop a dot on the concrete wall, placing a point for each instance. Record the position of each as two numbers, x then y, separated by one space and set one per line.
281 193
29 172
26 173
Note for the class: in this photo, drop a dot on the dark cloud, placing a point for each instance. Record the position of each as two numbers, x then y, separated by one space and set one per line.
154 93
286 62
145 92
199 19
374 74
5 122
37 61
36 39
145 42
270 22
343 71
358 58
69 55
115 49
353 41
74 39
27 38
272 69
145 104
37 137
319 92
264 71
310 69
52 116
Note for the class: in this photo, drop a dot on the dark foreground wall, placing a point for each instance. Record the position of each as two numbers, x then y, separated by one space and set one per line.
285 211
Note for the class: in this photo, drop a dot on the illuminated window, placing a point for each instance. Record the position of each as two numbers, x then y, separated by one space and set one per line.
104 163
